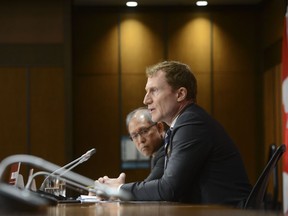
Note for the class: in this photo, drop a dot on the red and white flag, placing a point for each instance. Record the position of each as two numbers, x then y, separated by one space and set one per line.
285 110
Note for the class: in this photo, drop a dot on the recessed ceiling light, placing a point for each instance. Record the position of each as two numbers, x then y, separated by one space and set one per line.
201 3
131 4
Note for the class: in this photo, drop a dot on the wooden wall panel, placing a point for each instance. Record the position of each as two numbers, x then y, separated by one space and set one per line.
142 41
47 114
204 94
235 45
190 42
30 35
96 91
234 108
272 107
234 76
269 109
96 47
133 91
97 124
32 114
13 111
31 21
272 21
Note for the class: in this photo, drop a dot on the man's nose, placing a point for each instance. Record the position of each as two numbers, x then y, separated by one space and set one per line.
140 138
147 99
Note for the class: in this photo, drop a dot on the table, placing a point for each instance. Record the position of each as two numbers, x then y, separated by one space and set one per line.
150 209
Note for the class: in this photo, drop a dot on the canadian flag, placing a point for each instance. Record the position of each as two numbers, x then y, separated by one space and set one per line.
285 111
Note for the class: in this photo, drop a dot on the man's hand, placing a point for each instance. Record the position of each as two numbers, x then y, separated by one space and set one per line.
113 182
110 182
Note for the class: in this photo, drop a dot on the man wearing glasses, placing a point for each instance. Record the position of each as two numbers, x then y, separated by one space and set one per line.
148 138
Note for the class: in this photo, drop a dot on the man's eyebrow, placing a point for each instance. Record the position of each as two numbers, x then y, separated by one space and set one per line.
141 128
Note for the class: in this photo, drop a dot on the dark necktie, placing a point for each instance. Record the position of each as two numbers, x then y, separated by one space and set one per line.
167 146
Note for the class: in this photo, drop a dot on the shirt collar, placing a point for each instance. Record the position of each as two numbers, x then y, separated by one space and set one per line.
173 122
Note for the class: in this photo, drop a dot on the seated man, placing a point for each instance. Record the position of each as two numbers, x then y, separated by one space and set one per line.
202 163
148 138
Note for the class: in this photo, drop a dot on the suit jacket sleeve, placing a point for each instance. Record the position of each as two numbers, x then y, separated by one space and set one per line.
157 167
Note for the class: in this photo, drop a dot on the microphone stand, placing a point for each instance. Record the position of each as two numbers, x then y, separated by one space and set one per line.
80 160
61 171
69 176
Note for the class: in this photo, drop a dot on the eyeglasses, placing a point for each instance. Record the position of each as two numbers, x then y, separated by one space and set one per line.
142 132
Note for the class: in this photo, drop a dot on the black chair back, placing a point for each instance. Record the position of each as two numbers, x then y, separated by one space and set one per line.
256 196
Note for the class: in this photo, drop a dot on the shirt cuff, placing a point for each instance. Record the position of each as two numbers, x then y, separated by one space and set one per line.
119 187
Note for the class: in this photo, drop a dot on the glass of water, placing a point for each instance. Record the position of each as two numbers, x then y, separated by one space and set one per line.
55 186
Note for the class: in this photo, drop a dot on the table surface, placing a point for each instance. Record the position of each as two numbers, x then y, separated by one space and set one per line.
119 208
149 209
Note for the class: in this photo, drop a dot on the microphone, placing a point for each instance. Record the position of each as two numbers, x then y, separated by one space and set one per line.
15 199
77 161
62 170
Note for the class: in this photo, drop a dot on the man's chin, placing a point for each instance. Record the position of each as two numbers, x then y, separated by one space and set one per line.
146 154
154 118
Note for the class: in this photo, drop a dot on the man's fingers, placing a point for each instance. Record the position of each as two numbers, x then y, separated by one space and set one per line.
122 177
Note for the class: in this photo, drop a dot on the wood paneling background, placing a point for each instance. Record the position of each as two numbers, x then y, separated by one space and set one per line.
32 77
70 74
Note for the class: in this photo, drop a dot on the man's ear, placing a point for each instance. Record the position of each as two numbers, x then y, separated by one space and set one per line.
160 127
181 94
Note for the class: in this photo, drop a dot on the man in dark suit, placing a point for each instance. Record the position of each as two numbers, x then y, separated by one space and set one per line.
203 165
148 138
